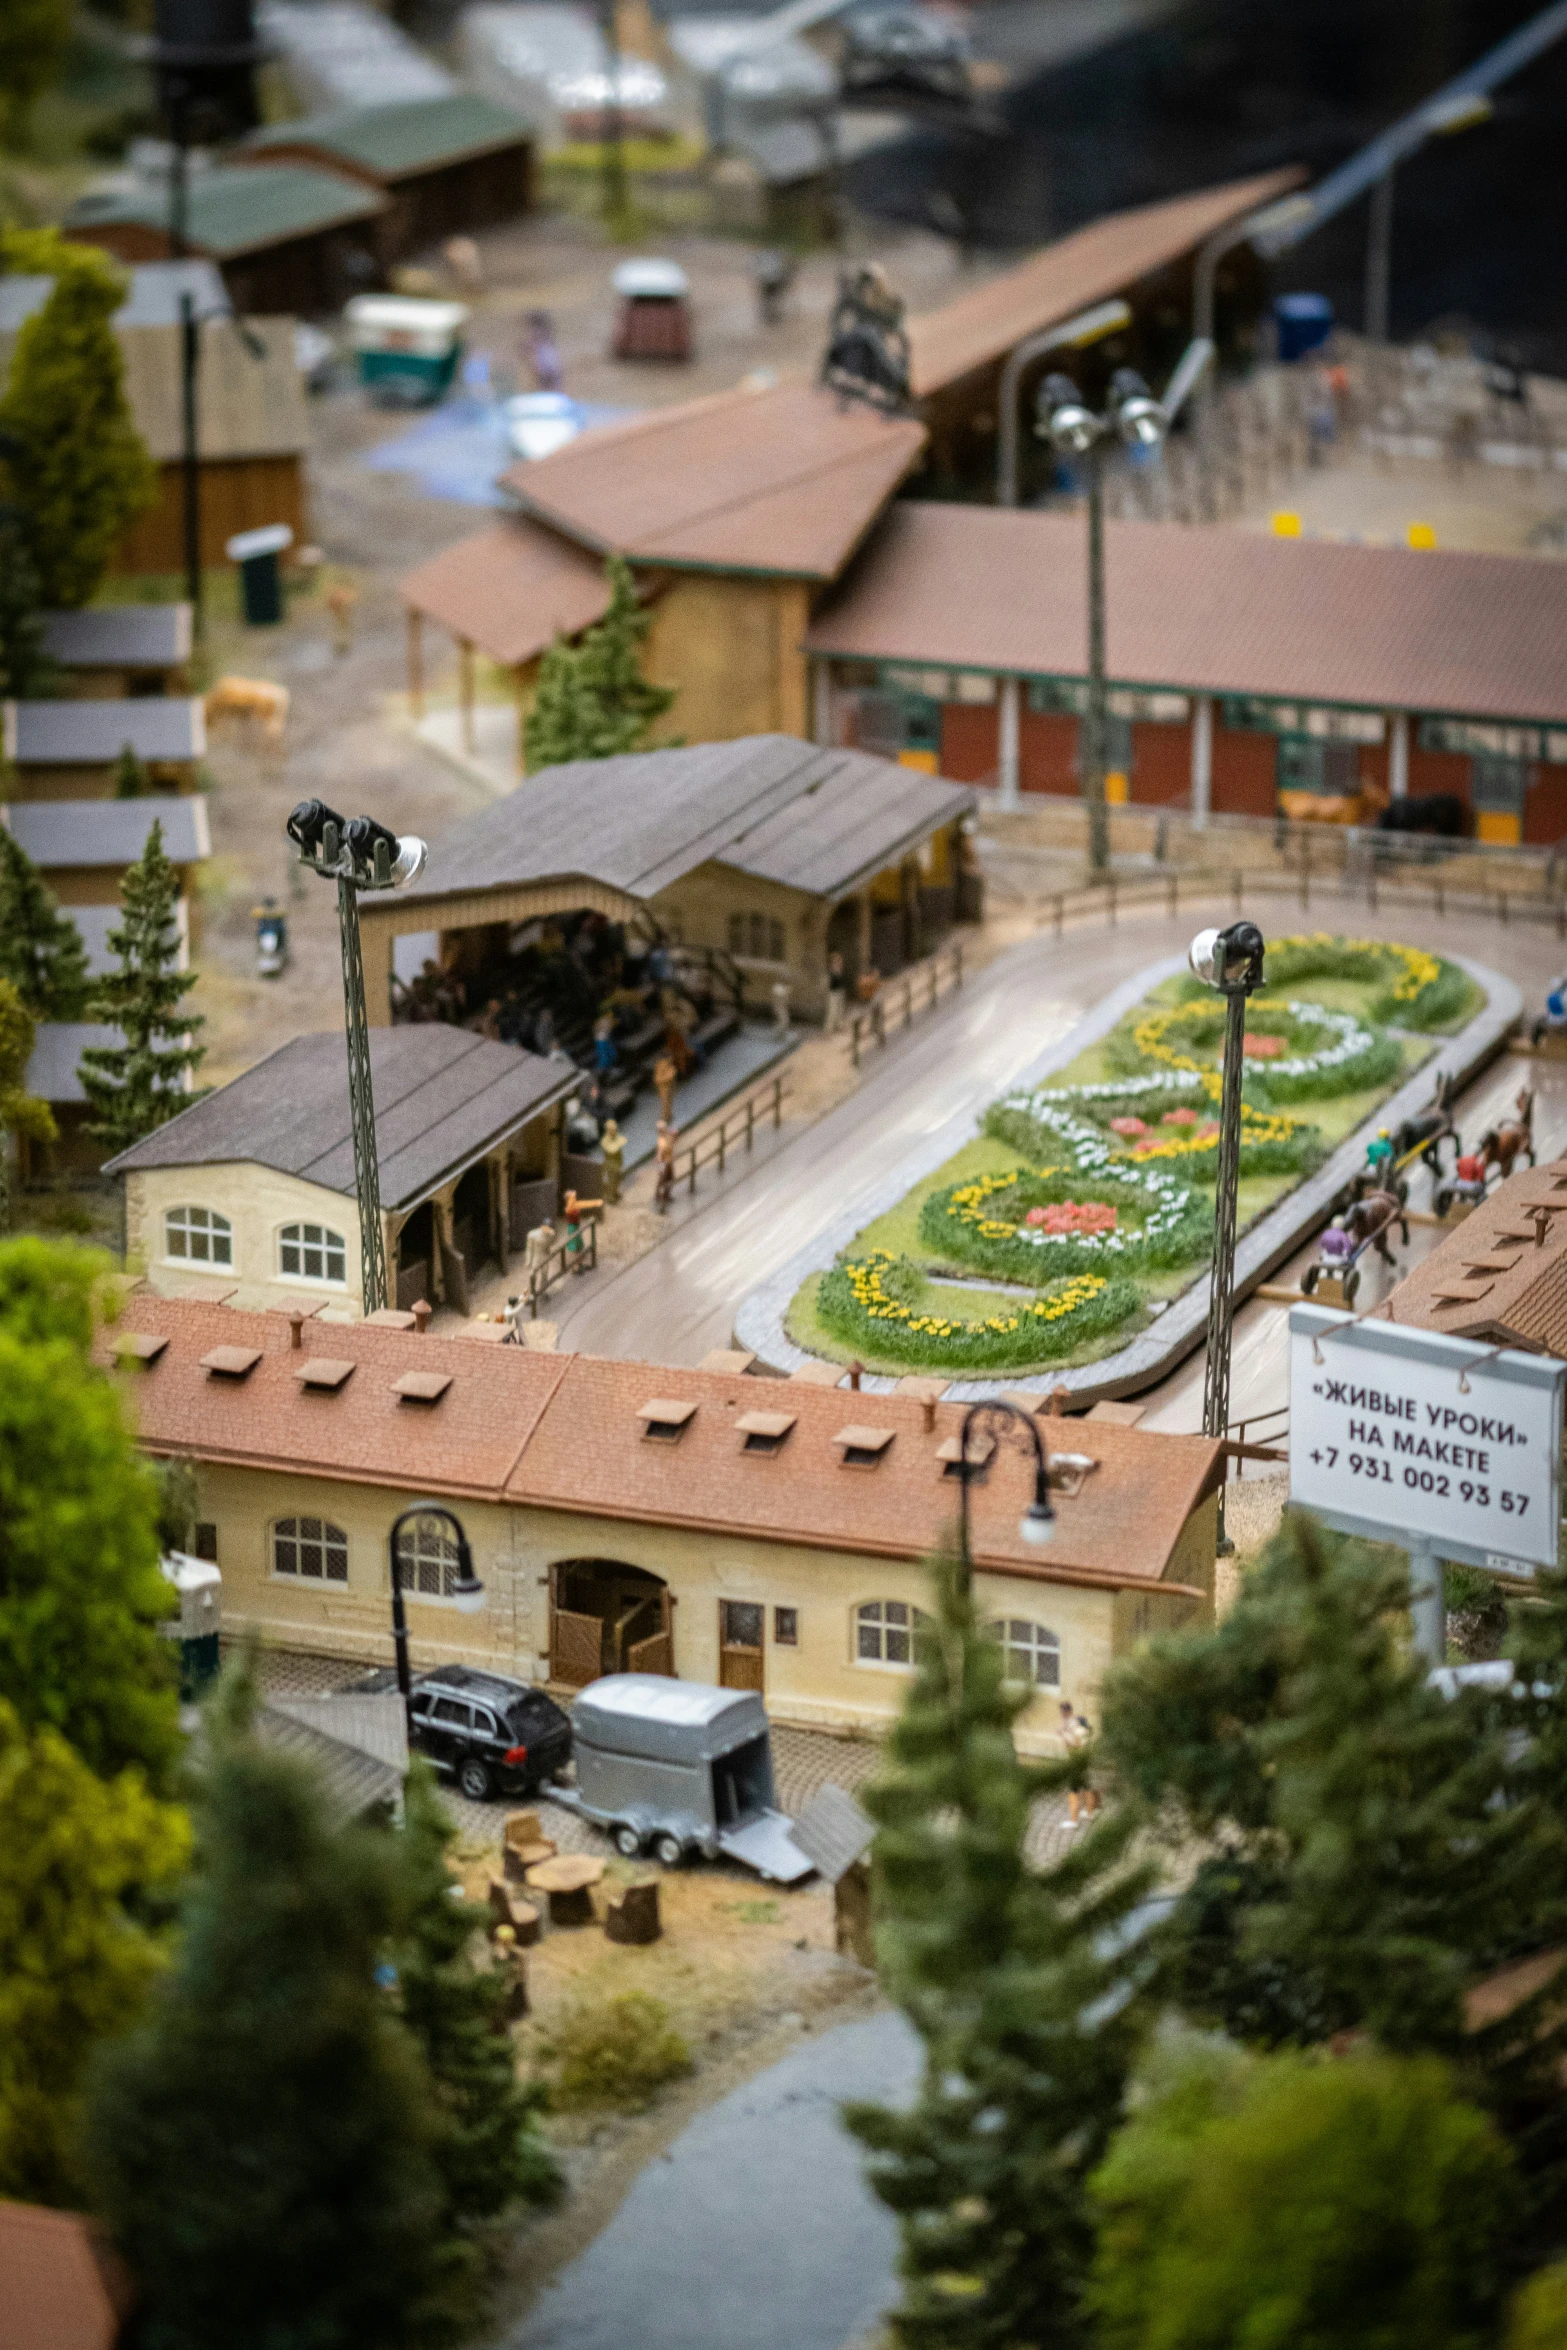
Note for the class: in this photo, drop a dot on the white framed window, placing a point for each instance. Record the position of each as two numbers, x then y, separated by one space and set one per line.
1031 1653
757 938
311 1548
426 1559
312 1252
197 1236
884 1631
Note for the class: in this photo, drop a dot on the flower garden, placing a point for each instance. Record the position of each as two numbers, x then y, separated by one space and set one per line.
1083 1207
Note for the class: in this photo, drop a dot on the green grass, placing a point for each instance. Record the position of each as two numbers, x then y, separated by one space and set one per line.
805 1328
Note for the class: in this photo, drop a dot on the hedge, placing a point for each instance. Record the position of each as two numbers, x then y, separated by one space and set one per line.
867 1303
977 1223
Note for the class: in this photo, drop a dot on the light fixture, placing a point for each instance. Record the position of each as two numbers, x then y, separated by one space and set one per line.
381 857
307 826
468 1592
1037 1525
1139 419
1064 419
1228 959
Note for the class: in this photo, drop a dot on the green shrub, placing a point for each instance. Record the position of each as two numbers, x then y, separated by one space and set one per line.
1419 990
871 1304
1161 1224
1539 2315
617 2051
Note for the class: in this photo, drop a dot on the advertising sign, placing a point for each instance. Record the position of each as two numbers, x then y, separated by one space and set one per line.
1427 1440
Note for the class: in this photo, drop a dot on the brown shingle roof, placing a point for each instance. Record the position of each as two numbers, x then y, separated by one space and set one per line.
1209 610
510 589
60 2288
1108 257
784 482
565 1432
1493 1279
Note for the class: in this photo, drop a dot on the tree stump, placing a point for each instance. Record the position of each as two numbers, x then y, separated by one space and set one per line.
524 1845
633 1915
507 1912
568 1881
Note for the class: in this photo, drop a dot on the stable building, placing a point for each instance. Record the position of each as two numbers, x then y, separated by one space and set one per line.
286 237
119 652
1501 1277
446 165
623 1517
250 1193
768 854
71 750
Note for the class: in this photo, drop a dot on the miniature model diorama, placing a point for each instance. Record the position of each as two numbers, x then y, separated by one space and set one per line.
1548 1030
1334 1279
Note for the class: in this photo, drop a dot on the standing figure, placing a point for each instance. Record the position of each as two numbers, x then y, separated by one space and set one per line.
613 1144
664 1076
604 1053
342 602
542 351
578 1213
780 996
664 1159
837 992
1077 1735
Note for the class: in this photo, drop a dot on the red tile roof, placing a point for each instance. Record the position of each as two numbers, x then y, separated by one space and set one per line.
510 589
783 482
1501 1277
60 2288
566 1432
1209 610
1108 257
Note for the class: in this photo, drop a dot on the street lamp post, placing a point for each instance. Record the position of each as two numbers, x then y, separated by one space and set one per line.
1074 429
358 854
1037 1525
1073 334
467 1591
1230 961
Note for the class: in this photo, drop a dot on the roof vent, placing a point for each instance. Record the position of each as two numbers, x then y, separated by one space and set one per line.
390 1318
863 1448
232 1362
138 1346
421 1309
980 1449
296 1328
324 1371
1068 1470
765 1431
422 1386
664 1419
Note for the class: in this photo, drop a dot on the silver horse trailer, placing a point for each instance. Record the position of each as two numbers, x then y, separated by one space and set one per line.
677 1767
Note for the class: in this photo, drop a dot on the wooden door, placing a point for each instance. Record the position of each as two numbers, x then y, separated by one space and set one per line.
576 1642
740 1625
655 1654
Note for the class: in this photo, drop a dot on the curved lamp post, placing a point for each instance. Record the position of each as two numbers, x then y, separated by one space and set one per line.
1075 430
467 1591
1073 334
1231 962
1037 1525
359 853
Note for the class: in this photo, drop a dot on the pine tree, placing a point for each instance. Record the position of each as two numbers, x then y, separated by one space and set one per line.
130 776
486 2148
139 1085
26 672
21 1113
1010 1976
41 950
81 474
260 2144
593 701
35 37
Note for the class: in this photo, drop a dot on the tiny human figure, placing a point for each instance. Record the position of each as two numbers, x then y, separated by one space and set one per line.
1076 1735
461 256
664 1076
613 1144
542 351
577 1213
780 996
604 1053
837 992
868 985
664 1160
1379 1152
342 601
537 1249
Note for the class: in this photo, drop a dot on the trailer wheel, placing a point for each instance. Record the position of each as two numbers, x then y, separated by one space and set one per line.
1443 1200
1308 1279
669 1850
626 1841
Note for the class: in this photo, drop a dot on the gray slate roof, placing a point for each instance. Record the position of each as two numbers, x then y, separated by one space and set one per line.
443 1097
58 833
79 734
153 299
119 636
769 805
58 1046
351 1781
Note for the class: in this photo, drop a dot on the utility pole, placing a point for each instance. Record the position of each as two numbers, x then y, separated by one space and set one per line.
1231 961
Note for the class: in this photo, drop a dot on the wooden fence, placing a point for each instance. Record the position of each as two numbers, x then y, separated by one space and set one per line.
577 1253
1168 891
898 1002
710 1145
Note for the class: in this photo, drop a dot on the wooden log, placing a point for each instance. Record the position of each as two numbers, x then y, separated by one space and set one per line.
633 1915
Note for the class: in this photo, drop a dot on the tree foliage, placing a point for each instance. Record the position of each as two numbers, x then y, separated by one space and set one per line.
1323 2205
592 700
26 672
22 1115
139 1085
130 776
81 1594
79 473
41 951
1023 1987
262 2143
81 1859
35 36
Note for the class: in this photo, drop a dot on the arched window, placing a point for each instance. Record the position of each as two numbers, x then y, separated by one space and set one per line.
311 1547
884 1631
310 1252
1031 1653
427 1558
198 1236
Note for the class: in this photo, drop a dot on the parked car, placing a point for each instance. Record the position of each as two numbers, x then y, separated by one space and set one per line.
495 1736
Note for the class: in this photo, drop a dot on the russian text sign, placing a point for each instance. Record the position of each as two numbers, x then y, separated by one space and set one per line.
1432 1440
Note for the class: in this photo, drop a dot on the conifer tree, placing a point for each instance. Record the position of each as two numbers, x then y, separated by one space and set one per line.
486 2147
41 950
139 1085
593 701
26 672
81 474
260 2144
130 776
21 1113
1029 2018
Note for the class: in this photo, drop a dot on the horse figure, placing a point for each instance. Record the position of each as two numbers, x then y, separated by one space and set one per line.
1429 1128
1501 1145
1370 1218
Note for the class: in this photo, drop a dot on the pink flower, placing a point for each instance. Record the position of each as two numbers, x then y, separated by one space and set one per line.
1262 1048
1127 1126
1179 1118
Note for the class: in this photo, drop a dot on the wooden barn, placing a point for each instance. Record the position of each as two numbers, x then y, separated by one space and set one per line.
446 166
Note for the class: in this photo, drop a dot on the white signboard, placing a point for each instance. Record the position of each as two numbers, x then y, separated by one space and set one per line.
1431 1440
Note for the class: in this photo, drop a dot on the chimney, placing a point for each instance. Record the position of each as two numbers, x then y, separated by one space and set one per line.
296 1329
856 1374
422 1311
928 1413
1056 1407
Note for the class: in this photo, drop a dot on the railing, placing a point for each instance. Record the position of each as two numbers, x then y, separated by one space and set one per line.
897 1002
1191 885
1261 1436
577 1253
710 1145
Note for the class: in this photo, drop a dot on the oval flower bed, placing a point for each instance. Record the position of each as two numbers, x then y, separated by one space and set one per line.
1314 1051
1169 1122
1419 990
870 1303
1011 1224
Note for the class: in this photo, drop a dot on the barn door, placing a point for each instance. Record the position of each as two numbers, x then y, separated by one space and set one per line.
739 1644
655 1654
576 1642
454 1278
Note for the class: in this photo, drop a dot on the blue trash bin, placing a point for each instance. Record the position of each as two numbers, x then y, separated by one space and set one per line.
1304 323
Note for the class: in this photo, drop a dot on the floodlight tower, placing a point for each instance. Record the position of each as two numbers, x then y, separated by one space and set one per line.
358 854
1230 961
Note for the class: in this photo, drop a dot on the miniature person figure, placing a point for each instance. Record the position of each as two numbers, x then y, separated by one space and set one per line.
780 996
1379 1154
837 992
342 601
664 1160
578 1213
542 351
664 1076
604 1053
537 1250
613 1144
1076 1735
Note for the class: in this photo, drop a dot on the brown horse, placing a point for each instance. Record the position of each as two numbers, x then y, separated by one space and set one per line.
1501 1145
1371 1218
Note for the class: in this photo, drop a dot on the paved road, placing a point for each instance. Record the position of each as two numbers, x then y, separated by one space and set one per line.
679 1301
756 2231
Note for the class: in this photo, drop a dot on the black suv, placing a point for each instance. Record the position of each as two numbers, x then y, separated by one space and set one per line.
497 1737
